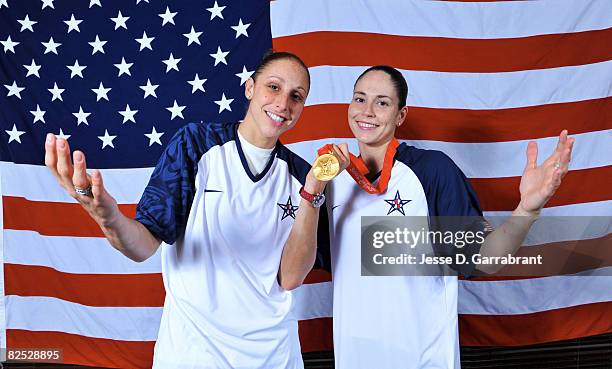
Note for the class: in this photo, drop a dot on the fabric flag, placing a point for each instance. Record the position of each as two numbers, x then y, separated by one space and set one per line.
117 79
484 79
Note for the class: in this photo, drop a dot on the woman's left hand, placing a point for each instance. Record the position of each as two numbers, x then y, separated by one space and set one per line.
539 183
341 152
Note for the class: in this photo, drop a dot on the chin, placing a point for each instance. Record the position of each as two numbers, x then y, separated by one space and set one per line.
363 137
273 132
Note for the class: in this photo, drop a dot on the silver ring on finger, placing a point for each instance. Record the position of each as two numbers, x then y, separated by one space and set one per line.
557 165
83 191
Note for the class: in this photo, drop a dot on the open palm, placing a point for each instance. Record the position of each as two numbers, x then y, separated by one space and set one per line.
539 182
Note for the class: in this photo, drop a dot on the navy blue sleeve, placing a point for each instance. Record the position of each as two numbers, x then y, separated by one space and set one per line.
447 189
458 210
449 194
165 204
452 195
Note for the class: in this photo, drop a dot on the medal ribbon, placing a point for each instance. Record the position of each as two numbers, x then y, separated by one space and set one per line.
357 168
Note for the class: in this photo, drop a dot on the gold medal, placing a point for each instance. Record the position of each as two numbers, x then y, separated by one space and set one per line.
326 167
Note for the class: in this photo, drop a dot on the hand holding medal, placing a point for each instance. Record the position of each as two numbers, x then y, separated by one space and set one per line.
332 160
329 164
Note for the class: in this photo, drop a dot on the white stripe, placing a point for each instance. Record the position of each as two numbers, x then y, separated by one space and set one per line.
508 159
313 300
141 324
595 209
128 323
496 159
533 295
333 84
564 223
476 160
35 182
503 19
91 255
56 315
94 255
549 229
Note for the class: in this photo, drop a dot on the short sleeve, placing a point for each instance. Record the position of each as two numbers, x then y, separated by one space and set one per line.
453 196
449 194
165 204
457 210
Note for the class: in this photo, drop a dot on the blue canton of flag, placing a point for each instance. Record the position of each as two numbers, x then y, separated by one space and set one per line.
117 79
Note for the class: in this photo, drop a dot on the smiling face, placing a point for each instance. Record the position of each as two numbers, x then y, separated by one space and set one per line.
277 99
373 113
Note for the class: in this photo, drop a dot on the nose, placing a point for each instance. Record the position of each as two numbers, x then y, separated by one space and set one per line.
368 109
282 101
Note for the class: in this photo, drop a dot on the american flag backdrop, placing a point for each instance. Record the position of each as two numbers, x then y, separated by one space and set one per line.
118 78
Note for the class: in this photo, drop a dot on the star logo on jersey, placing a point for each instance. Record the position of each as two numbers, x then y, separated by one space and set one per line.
397 204
288 209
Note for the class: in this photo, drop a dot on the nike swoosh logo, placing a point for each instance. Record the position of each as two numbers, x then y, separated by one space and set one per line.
212 190
335 206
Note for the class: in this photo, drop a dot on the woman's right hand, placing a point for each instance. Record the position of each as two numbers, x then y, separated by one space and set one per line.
100 205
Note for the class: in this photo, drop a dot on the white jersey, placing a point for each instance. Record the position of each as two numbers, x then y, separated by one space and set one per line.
395 322
223 230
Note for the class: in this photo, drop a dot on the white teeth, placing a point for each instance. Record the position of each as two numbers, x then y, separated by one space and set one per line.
366 125
275 117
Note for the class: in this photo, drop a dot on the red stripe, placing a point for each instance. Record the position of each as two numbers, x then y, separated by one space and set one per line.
449 54
317 276
86 289
53 218
316 334
121 289
81 350
579 186
463 125
528 329
560 258
495 194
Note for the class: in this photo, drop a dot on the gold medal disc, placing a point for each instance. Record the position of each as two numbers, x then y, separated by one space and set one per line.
326 167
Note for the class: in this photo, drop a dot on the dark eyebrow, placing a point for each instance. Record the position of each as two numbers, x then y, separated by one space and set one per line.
379 96
279 78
